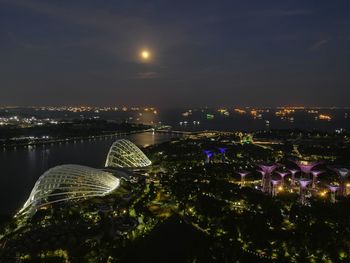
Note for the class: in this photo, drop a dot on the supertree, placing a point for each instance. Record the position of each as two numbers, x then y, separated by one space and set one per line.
293 173
305 166
303 183
343 175
333 189
243 174
315 174
274 182
222 150
268 170
282 174
209 155
263 174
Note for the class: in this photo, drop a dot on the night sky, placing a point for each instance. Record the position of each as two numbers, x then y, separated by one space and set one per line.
202 53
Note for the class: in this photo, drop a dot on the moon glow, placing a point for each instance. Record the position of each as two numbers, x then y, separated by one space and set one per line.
145 54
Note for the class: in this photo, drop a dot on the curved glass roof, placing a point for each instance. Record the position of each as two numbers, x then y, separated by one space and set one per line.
68 182
124 153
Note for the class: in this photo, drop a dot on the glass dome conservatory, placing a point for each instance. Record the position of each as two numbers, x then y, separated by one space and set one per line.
69 182
124 153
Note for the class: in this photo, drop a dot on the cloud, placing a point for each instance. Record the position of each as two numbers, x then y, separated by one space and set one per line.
282 13
103 29
263 13
319 44
148 75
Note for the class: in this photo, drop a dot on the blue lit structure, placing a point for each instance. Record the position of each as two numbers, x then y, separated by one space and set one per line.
222 150
209 155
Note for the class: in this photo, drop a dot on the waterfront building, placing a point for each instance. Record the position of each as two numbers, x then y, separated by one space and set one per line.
69 182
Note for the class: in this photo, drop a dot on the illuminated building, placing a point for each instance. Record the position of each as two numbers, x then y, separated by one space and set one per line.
123 153
66 183
240 111
324 117
210 116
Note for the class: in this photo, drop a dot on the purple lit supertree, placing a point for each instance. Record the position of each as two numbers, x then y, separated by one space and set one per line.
315 174
282 174
343 175
222 150
268 170
209 154
333 189
243 174
303 183
306 167
263 174
293 173
274 182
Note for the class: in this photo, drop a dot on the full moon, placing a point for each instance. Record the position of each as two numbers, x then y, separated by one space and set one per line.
145 54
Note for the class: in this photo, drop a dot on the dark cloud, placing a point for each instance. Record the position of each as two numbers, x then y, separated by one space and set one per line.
148 75
319 44
203 52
